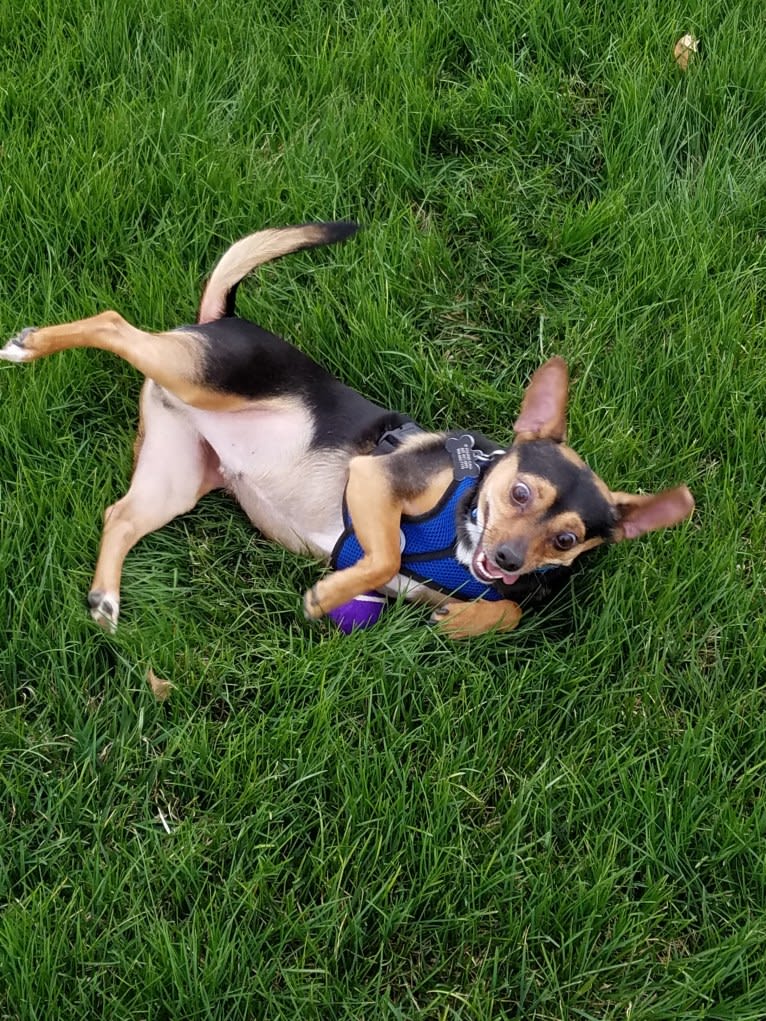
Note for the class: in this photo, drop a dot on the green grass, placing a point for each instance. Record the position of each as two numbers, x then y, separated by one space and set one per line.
564 823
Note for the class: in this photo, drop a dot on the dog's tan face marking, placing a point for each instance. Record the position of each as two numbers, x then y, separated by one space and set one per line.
539 506
517 510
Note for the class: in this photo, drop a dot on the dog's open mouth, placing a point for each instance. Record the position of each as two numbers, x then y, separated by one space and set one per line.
485 570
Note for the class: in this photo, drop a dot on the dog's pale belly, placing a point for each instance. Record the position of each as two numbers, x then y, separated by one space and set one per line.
290 492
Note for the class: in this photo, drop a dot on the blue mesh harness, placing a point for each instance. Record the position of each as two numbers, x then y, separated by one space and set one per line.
428 541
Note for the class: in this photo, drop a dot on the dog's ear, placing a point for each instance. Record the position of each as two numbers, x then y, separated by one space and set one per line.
543 413
640 514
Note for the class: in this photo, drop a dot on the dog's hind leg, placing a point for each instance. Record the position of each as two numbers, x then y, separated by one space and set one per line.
174 467
173 359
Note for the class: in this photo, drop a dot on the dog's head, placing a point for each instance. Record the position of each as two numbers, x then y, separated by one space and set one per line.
541 506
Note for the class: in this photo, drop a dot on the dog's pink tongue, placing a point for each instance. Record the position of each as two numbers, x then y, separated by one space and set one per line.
495 572
509 579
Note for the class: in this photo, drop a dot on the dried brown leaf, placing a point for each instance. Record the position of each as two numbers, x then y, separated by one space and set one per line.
160 689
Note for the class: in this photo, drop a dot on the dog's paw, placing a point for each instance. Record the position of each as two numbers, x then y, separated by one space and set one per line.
463 620
447 619
104 609
312 609
16 349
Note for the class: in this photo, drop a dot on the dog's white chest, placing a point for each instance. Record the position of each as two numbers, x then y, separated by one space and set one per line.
290 492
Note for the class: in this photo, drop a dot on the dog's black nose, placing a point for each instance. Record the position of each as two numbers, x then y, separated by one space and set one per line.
508 557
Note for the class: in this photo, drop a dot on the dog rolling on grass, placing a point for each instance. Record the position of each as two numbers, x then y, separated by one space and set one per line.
449 518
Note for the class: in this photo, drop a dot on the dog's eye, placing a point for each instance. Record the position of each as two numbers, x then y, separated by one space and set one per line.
474 514
520 493
565 541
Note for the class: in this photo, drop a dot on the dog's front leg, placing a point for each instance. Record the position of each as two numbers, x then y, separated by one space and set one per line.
376 513
463 620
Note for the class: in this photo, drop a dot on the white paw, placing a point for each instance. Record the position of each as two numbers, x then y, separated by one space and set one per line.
104 609
15 350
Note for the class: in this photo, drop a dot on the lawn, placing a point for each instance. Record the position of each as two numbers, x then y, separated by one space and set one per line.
566 822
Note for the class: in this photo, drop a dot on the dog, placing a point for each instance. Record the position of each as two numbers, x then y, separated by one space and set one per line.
322 470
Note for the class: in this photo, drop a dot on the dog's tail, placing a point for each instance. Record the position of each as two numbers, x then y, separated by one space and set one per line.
219 295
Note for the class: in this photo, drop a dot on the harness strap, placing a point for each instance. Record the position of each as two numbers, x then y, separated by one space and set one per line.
428 540
392 439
